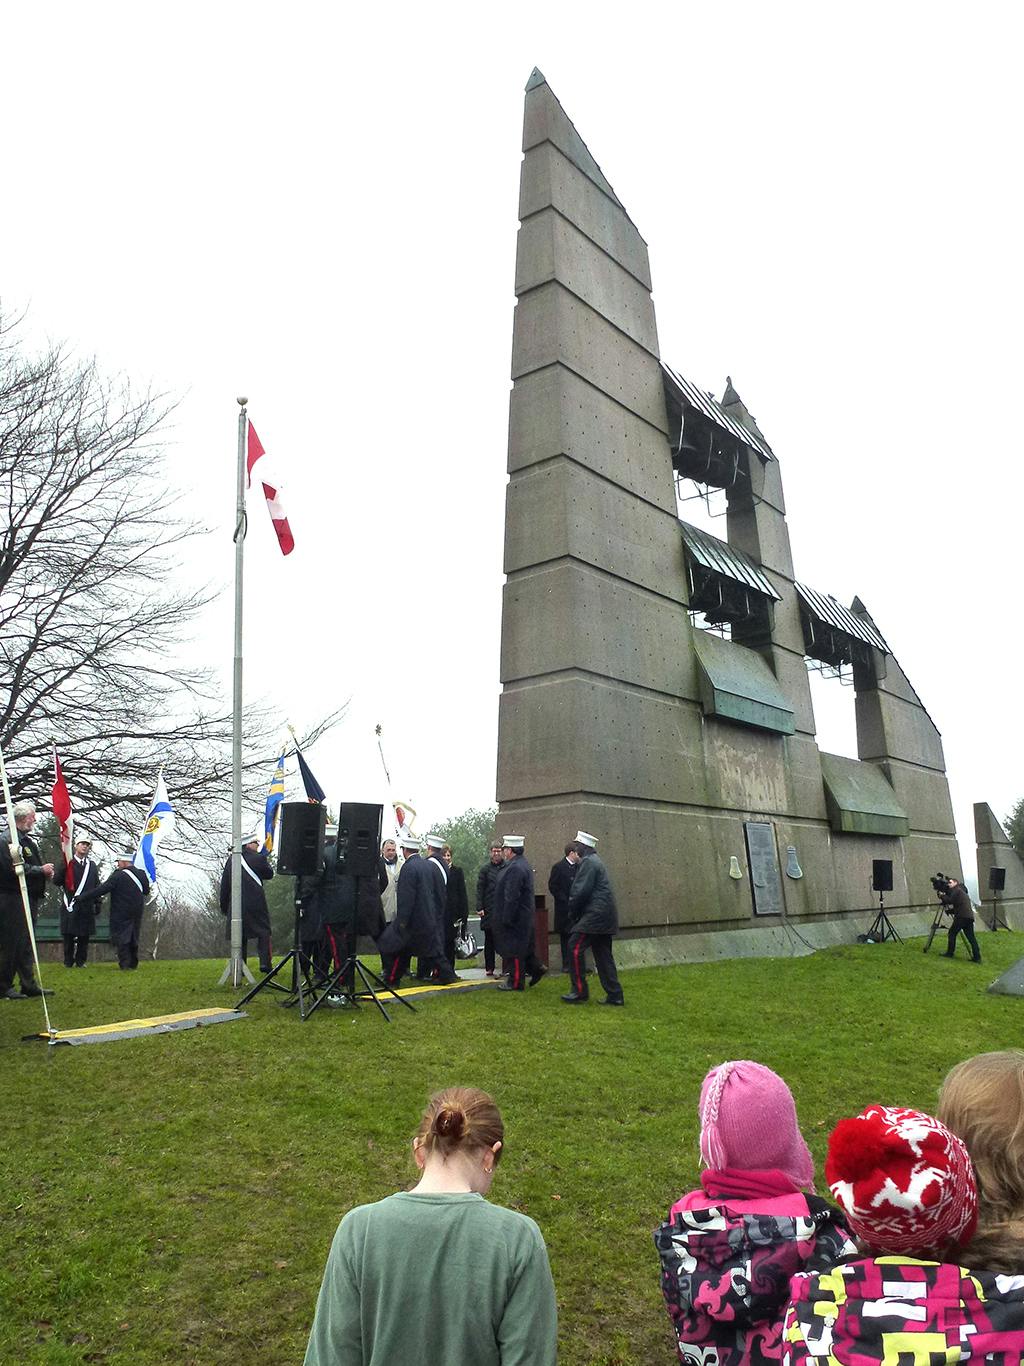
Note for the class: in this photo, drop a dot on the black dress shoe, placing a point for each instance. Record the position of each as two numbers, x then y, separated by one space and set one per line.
507 986
13 994
536 976
946 955
33 990
574 999
612 1001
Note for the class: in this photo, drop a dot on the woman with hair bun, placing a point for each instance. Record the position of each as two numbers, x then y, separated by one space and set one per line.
436 1273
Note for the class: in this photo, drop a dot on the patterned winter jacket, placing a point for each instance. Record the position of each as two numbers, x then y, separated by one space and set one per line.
725 1274
897 1310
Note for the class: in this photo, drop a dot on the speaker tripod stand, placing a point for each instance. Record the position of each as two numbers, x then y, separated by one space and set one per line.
998 923
882 927
303 975
342 983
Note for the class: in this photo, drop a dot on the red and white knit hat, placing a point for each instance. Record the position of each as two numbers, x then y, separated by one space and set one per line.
748 1120
905 1183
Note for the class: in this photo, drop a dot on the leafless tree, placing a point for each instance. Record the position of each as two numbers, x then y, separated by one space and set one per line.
92 614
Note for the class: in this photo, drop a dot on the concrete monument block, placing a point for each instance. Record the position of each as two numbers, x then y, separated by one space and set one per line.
553 412
619 633
890 728
553 326
551 181
551 248
611 719
573 734
558 509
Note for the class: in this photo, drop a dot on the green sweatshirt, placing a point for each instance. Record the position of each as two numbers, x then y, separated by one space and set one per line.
422 1280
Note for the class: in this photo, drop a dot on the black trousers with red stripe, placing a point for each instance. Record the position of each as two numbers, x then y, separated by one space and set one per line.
519 969
601 944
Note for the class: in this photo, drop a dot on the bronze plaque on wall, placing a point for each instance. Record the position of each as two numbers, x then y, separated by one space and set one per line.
763 862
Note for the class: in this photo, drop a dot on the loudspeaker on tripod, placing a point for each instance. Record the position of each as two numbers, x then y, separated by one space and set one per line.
301 849
359 826
997 879
881 875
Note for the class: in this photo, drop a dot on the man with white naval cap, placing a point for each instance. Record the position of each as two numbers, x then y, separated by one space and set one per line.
594 921
514 921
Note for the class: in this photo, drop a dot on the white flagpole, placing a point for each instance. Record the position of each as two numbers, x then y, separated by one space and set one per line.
17 858
236 970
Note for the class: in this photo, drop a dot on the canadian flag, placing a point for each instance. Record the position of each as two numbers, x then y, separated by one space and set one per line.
61 802
272 494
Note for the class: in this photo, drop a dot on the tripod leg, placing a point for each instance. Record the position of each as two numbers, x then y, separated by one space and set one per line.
364 972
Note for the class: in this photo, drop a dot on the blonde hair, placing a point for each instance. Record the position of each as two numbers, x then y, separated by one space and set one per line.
459 1119
982 1100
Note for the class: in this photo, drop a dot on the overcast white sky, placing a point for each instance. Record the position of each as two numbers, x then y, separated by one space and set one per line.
317 207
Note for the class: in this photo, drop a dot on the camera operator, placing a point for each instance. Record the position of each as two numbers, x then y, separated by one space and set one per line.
955 900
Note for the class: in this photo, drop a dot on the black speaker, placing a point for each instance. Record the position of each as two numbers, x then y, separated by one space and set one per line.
881 874
997 879
359 826
300 852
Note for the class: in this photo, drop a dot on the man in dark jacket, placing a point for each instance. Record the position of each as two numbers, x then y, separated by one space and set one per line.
256 870
456 919
127 887
427 969
514 918
559 884
77 919
957 901
15 944
595 922
416 928
486 881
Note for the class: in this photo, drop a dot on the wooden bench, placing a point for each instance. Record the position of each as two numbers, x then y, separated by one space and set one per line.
48 931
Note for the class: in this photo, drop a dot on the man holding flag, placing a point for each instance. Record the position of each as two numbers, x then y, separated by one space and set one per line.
15 944
127 887
77 918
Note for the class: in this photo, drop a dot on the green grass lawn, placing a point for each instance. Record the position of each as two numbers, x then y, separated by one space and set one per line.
172 1198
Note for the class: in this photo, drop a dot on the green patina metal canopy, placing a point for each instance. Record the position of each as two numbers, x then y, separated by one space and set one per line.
859 798
737 684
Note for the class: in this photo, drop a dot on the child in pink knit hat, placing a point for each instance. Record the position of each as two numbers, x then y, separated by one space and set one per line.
729 1249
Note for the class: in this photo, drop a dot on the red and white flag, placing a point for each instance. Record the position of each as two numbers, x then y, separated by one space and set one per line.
61 802
272 493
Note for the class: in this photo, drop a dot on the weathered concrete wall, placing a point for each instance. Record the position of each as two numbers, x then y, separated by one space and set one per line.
601 724
996 851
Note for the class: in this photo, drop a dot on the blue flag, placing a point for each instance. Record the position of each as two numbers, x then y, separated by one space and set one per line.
314 792
159 822
275 796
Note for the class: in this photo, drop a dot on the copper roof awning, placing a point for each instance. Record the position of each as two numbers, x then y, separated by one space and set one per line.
834 635
720 558
680 394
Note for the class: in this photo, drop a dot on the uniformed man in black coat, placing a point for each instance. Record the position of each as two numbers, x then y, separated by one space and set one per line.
127 887
486 881
595 922
15 943
256 870
343 906
77 918
416 928
559 883
426 968
515 919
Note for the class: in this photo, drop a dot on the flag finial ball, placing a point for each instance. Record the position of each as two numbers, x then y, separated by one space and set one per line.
242 402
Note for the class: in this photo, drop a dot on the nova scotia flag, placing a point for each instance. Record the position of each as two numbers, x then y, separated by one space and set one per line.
159 822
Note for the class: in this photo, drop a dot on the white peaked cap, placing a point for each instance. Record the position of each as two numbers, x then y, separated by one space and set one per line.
583 838
127 857
330 830
408 842
435 842
255 838
513 841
